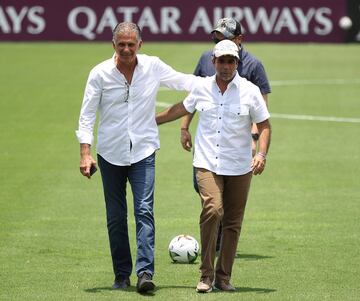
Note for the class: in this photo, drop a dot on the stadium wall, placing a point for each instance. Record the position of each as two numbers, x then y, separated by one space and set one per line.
266 21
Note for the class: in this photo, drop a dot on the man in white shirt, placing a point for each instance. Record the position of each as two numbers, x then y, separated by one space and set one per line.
123 90
227 106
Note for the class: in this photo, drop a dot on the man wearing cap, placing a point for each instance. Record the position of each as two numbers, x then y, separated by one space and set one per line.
249 67
223 161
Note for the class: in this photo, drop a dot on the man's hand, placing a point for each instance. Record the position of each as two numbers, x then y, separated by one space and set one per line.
86 160
185 139
258 163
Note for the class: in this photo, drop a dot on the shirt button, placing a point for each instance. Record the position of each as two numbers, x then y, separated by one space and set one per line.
216 157
218 132
221 104
217 144
219 117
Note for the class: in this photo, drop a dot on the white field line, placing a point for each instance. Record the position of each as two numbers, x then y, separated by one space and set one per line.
294 117
302 82
305 82
315 118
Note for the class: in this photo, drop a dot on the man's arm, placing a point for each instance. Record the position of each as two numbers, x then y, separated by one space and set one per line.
185 136
172 113
91 100
259 160
254 129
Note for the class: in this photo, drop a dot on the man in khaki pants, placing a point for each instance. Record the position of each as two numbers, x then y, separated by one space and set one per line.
227 105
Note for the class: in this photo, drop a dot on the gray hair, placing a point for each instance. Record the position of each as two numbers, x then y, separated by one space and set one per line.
127 27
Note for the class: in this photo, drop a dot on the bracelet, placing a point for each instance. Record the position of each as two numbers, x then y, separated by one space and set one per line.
184 129
262 155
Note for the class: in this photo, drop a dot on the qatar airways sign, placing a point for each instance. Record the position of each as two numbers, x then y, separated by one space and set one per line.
291 21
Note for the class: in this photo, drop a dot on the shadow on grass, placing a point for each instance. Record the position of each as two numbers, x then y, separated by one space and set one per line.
258 290
100 289
251 256
237 290
132 289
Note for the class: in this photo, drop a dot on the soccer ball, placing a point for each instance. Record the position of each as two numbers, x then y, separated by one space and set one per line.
345 23
183 249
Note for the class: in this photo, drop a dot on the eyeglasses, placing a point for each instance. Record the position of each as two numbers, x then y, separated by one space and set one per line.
126 98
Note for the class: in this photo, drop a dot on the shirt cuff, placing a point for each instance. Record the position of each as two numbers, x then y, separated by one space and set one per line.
188 107
84 137
262 118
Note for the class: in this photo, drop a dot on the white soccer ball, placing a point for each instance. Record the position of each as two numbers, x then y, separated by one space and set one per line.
345 23
183 249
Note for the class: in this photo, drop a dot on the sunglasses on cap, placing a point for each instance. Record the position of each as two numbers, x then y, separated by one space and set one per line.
217 40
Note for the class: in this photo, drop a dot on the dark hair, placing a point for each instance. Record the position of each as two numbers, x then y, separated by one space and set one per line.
127 27
237 31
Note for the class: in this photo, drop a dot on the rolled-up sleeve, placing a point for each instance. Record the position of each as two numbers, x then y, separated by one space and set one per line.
190 102
258 110
91 100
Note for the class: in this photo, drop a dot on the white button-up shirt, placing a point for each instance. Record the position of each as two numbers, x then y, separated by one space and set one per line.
127 131
223 137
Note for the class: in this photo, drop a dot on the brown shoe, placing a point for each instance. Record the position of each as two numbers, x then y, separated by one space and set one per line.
204 286
224 286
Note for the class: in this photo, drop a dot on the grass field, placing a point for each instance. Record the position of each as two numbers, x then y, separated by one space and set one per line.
300 238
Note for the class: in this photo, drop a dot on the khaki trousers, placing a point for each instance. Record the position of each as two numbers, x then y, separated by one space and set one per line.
223 199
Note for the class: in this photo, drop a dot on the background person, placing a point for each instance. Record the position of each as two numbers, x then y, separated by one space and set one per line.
123 90
227 104
249 67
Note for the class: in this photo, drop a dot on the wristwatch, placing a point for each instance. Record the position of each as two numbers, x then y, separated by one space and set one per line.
255 136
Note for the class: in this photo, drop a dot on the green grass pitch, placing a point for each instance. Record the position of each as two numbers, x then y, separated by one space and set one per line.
300 238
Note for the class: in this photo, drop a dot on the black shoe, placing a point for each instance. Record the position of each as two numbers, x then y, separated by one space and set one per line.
121 283
145 283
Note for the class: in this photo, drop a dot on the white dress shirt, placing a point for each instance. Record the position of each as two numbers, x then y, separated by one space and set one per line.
127 131
223 137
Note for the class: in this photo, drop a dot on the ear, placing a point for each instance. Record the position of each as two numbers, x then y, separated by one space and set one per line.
240 39
213 59
113 44
140 44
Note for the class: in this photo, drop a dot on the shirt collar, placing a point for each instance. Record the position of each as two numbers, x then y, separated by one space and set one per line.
140 60
235 81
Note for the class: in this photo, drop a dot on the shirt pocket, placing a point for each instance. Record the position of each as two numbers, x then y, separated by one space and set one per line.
239 116
239 111
208 112
206 107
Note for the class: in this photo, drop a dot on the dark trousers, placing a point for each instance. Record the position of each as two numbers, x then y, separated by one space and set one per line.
141 176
